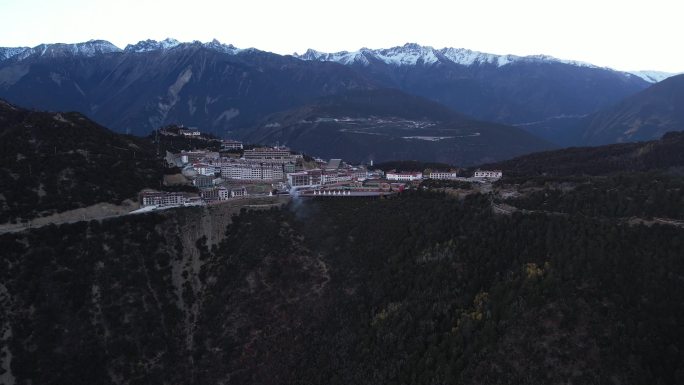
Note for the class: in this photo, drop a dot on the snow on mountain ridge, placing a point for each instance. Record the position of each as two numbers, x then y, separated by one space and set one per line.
98 47
9 52
409 54
342 57
653 76
87 49
169 43
412 54
152 45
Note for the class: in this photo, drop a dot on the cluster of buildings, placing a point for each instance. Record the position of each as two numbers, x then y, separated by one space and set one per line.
236 172
478 176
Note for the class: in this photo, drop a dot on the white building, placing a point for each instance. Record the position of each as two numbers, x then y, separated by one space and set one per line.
270 154
444 175
162 199
229 144
309 178
317 177
244 170
493 174
359 174
238 192
335 177
404 176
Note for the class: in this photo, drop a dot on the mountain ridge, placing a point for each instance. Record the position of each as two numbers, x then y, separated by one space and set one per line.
224 89
646 115
408 54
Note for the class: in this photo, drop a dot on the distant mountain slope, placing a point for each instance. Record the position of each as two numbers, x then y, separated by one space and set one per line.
503 88
644 116
213 86
388 124
665 153
653 76
52 162
219 87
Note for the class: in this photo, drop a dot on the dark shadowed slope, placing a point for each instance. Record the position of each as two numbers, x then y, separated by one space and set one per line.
388 124
644 116
628 157
52 162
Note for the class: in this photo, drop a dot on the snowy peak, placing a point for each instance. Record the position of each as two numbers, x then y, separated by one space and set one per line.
10 52
169 43
87 49
468 57
99 47
409 54
342 57
152 45
653 76
412 54
225 48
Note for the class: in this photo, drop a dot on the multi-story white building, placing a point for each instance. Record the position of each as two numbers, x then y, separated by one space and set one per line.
162 198
444 175
238 192
229 144
331 177
242 170
317 177
270 154
216 193
359 174
309 178
493 174
404 176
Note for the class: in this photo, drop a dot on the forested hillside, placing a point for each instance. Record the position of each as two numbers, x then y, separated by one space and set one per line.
665 153
53 162
423 288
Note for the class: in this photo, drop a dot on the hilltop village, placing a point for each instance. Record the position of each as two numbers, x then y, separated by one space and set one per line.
235 172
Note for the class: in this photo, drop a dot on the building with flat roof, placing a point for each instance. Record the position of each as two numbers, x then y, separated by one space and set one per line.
404 176
246 170
444 175
488 174
162 198
270 154
230 144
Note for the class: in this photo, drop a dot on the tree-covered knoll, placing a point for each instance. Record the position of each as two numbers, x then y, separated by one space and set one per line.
53 162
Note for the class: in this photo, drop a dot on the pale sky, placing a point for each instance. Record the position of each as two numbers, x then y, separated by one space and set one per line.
625 35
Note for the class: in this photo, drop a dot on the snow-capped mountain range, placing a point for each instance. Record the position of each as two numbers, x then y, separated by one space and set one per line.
410 54
169 43
97 47
414 54
88 49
